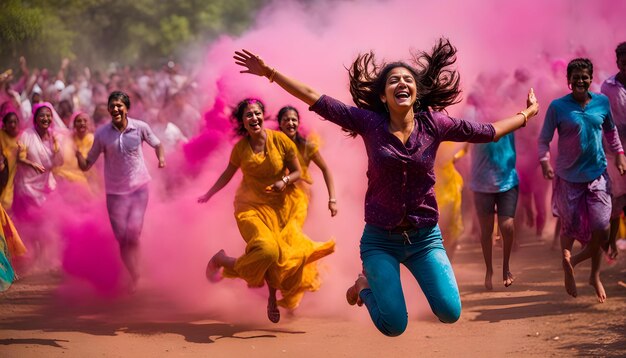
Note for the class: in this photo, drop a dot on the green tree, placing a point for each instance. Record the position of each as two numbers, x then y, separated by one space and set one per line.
97 32
33 32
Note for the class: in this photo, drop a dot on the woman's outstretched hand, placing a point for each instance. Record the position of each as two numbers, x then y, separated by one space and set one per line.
532 104
204 198
332 206
253 63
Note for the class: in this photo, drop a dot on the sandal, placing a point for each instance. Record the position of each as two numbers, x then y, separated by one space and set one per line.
272 312
213 269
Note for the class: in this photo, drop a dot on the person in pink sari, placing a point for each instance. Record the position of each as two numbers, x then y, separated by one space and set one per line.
39 153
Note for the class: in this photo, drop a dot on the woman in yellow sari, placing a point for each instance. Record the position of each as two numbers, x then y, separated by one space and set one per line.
308 151
10 148
80 139
277 251
83 138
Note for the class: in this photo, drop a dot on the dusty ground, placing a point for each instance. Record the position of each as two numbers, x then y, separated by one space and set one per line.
534 317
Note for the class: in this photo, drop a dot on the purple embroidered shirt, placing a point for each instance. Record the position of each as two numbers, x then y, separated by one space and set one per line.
401 176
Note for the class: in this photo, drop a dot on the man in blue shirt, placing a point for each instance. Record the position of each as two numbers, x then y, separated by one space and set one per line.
582 192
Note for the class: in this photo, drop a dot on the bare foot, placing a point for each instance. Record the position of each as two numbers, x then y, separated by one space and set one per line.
508 279
272 310
597 284
352 294
530 220
568 269
488 284
131 286
612 252
213 267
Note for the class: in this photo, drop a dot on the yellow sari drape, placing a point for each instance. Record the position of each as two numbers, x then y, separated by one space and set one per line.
9 233
276 248
10 151
448 188
70 170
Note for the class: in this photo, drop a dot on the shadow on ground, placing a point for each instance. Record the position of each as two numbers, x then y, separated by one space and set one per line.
126 315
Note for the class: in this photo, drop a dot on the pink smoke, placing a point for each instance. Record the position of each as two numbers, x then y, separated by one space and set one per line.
314 43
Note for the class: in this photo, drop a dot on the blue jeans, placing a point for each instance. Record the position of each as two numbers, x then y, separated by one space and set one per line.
422 252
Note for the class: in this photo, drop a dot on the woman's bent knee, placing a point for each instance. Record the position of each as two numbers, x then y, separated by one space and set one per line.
393 328
450 313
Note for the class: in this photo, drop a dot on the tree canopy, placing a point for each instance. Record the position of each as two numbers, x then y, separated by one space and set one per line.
98 32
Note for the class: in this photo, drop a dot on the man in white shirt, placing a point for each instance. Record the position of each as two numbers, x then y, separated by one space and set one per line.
126 176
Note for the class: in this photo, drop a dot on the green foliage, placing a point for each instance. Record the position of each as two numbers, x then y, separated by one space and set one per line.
98 32
17 25
175 29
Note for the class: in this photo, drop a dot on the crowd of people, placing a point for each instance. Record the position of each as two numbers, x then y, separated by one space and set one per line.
54 128
413 203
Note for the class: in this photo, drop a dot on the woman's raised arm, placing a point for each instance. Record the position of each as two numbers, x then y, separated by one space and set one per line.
510 124
256 66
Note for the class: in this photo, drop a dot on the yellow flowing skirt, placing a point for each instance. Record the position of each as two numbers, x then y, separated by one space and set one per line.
277 250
